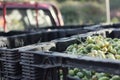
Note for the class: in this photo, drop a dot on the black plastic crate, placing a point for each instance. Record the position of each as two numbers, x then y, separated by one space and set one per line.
114 33
18 41
10 63
34 37
40 58
83 62
1 70
4 37
35 63
12 78
61 33
12 66
70 32
11 74
11 69
7 54
50 35
114 25
34 73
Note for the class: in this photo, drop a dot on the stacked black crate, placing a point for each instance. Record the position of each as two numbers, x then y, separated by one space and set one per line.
35 37
10 68
1 70
36 66
10 63
18 41
28 72
13 39
50 35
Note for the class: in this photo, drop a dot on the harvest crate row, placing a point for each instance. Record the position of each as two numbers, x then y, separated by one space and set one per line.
14 39
65 61
28 65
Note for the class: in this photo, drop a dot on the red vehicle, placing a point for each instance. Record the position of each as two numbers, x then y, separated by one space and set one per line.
21 16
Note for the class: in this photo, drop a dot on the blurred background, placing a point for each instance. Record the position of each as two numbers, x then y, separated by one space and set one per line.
75 12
